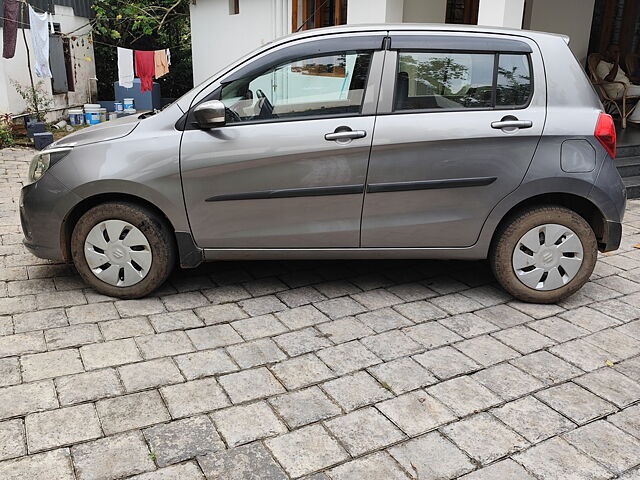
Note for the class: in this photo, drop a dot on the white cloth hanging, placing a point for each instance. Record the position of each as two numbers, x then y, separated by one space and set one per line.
39 26
125 67
168 57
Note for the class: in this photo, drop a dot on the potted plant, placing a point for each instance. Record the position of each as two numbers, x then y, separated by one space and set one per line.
38 101
6 130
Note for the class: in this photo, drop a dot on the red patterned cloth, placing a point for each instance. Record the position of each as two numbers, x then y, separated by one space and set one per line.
10 29
145 68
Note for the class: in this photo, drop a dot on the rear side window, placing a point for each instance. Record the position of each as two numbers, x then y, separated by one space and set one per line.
459 80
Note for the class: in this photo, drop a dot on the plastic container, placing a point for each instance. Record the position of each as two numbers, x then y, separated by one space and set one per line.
118 106
92 116
103 114
113 116
128 104
76 117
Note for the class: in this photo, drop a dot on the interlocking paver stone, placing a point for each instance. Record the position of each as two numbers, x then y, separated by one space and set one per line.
27 398
340 307
302 371
180 440
184 471
165 322
250 385
246 423
507 381
248 462
224 313
304 406
306 450
22 343
88 386
94 312
390 345
55 464
611 385
134 308
258 327
546 367
446 362
609 445
486 350
355 390
581 353
503 316
468 325
197 396
65 426
402 375
125 328
164 344
132 411
416 412
301 317
151 374
73 336
112 457
364 430
108 354
421 311
532 419
379 466
12 440
9 371
555 459
484 438
348 357
344 330
204 364
39 320
575 402
214 336
383 320
257 352
302 341
432 457
464 395
50 364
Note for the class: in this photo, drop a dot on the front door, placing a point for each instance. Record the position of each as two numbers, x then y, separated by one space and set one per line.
288 168
458 124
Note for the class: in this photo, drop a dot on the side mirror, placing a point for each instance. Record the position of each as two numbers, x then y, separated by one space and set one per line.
210 114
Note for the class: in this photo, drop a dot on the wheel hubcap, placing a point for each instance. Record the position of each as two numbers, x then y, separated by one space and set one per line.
118 253
547 257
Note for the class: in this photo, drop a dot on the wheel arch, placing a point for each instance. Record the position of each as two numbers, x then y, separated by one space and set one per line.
190 255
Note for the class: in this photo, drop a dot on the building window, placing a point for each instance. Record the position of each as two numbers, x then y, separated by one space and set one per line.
307 14
463 11
234 7
60 61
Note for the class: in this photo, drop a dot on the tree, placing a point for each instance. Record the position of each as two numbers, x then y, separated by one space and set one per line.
143 25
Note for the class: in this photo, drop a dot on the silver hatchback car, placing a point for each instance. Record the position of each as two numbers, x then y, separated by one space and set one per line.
407 141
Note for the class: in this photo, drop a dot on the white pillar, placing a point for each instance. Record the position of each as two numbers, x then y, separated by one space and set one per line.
375 11
501 13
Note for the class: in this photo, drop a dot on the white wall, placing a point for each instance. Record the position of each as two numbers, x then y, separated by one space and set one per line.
425 11
569 17
218 38
501 13
375 11
16 68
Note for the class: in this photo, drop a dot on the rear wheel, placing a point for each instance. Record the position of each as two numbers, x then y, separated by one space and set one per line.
122 250
544 254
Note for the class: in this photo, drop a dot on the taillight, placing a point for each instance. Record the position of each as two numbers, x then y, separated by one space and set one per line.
606 133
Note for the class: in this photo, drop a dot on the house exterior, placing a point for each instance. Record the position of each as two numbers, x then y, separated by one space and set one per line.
223 30
71 59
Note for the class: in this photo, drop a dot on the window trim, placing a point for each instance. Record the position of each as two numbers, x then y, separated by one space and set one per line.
493 107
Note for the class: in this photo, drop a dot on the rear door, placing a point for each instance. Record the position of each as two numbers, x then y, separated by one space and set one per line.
459 121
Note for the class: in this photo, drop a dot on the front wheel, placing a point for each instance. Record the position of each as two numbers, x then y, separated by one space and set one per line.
544 254
122 250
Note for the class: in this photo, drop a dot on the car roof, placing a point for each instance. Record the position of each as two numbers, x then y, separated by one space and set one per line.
420 27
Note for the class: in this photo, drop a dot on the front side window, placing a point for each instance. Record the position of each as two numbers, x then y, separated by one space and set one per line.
460 80
328 85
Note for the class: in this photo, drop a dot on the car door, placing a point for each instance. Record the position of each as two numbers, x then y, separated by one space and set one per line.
288 168
459 121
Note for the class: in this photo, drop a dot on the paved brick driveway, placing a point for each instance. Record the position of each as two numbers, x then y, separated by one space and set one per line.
276 370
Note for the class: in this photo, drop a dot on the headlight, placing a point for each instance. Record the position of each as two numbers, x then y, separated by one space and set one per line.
44 160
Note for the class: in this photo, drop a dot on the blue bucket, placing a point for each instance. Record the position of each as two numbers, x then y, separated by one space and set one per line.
92 118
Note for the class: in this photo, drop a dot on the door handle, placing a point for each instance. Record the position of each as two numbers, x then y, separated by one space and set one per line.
345 135
502 124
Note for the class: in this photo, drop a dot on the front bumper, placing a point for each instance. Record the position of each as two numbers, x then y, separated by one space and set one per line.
43 208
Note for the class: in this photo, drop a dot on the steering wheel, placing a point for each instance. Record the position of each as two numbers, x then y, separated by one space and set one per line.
266 109
232 117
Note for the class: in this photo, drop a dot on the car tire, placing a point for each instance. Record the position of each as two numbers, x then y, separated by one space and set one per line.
534 267
135 244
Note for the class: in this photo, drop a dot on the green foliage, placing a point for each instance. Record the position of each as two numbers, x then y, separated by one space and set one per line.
6 130
143 25
37 99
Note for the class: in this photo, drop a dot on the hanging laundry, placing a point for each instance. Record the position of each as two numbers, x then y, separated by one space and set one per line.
125 67
39 26
10 28
145 68
161 63
168 56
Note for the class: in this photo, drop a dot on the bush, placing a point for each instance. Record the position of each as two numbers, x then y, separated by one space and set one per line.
6 130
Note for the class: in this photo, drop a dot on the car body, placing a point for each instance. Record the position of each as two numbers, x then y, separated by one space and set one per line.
386 141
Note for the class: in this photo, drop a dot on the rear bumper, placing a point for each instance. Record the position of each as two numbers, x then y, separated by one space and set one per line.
612 237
